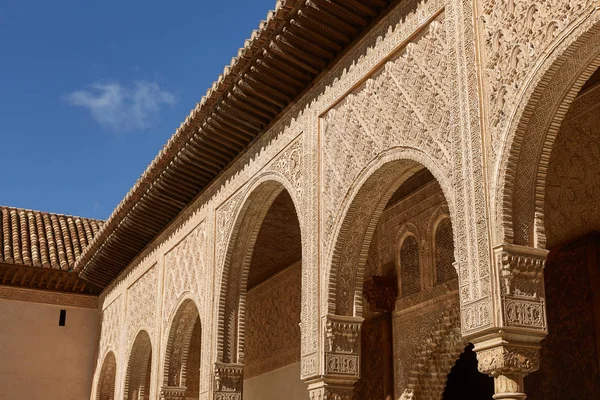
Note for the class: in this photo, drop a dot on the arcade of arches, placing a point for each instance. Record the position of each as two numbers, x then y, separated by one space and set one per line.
394 200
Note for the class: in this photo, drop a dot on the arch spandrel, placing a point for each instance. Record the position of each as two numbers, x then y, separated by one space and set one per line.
532 117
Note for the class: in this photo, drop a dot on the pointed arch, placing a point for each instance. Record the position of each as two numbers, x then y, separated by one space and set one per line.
139 365
105 389
256 201
181 368
358 219
532 129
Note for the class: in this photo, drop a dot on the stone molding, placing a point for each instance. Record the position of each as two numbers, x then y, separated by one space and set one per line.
48 297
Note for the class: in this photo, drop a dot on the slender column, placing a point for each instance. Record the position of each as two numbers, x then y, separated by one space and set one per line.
510 351
228 381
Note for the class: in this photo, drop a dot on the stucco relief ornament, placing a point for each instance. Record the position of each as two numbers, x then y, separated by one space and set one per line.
521 286
342 346
506 360
515 35
228 380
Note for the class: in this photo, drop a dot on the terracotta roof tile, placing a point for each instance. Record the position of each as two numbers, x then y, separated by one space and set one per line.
39 239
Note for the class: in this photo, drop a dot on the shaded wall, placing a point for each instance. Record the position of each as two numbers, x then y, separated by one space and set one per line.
42 360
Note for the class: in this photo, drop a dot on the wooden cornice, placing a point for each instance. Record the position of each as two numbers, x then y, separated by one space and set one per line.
296 42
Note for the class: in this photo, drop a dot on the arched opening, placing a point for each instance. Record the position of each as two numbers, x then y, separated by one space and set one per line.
181 373
465 382
410 335
263 295
106 382
139 366
572 272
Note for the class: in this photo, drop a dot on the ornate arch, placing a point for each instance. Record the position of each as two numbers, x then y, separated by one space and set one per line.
138 368
185 323
249 212
356 224
532 128
105 389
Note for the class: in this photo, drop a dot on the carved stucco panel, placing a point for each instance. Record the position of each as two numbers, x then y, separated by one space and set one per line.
183 266
516 34
405 103
141 304
111 325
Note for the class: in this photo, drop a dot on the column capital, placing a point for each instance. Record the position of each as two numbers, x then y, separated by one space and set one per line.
228 381
324 389
498 357
381 293
508 363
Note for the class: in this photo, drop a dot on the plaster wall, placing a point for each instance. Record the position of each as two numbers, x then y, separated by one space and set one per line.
42 360
282 383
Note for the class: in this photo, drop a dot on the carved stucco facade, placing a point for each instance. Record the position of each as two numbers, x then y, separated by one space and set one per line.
406 96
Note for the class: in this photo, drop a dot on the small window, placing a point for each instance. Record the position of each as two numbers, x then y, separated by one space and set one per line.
62 318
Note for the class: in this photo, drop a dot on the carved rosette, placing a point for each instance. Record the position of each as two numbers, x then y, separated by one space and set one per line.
228 381
520 272
342 346
172 392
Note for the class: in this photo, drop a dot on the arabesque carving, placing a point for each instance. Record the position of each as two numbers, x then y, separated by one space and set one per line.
521 286
405 103
515 35
342 346
182 266
141 304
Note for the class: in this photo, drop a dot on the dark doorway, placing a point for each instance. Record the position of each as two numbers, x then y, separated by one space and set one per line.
465 382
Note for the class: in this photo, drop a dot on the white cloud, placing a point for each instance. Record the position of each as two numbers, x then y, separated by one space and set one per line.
120 108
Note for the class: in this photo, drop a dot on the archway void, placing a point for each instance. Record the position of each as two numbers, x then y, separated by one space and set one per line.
261 295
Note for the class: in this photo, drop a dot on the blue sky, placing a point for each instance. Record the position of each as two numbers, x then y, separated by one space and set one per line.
91 90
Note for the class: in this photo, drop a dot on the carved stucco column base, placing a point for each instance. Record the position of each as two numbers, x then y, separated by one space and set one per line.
323 389
228 380
508 362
